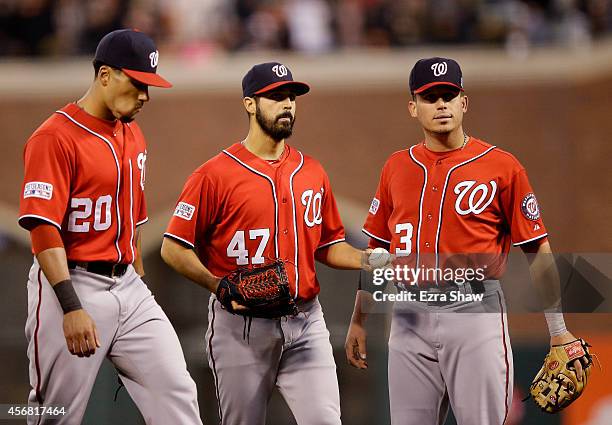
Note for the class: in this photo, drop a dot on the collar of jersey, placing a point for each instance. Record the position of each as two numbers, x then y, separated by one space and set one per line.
246 156
103 127
459 154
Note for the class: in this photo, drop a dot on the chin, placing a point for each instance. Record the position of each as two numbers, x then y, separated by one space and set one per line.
127 118
439 130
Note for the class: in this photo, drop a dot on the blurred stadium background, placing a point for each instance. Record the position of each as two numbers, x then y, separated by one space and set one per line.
539 77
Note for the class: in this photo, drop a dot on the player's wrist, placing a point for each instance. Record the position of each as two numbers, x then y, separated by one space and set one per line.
364 257
563 338
67 296
555 321
214 283
358 318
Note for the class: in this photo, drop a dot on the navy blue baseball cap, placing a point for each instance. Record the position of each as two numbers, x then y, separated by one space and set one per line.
134 53
435 71
268 76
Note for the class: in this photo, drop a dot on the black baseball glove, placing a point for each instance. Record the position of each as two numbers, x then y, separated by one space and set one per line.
264 290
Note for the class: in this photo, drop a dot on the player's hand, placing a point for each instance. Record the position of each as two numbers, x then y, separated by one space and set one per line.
239 307
355 346
365 256
564 339
81 333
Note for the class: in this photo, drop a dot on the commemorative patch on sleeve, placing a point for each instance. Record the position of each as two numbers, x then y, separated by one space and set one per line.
530 207
184 210
374 206
40 190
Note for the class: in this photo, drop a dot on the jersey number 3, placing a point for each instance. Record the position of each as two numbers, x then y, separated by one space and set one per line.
237 246
405 231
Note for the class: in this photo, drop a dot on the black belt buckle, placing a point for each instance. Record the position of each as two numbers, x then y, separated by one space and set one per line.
117 270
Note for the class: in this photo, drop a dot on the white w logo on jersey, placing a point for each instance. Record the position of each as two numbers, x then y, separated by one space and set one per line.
477 200
141 162
280 70
439 68
312 201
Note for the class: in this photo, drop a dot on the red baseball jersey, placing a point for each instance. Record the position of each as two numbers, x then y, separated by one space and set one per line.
240 210
477 200
86 176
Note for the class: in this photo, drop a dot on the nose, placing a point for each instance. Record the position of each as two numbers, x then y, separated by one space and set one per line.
287 103
143 95
440 103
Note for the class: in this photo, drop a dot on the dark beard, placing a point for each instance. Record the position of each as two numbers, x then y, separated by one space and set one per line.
273 128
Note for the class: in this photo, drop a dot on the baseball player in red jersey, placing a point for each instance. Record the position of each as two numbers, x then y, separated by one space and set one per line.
451 199
83 202
261 200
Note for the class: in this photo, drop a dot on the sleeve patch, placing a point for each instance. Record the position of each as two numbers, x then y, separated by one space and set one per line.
184 210
40 190
374 206
530 208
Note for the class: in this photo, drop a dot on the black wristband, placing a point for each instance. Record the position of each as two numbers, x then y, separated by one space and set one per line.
66 295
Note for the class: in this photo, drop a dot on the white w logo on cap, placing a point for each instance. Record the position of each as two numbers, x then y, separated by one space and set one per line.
154 56
280 70
439 68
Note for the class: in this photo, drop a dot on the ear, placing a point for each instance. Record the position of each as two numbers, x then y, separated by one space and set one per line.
412 108
250 105
104 75
464 103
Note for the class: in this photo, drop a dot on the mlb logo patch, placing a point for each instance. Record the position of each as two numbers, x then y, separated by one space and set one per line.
374 206
40 190
184 210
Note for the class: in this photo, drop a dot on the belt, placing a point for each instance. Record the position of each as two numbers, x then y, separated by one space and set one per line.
100 267
473 287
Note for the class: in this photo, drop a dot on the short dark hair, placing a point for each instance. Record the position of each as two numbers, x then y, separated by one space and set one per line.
97 64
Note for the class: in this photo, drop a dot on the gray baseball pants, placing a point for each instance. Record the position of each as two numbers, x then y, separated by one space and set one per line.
293 354
457 356
136 336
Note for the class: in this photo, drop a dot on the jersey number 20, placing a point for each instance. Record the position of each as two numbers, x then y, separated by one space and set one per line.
102 214
237 246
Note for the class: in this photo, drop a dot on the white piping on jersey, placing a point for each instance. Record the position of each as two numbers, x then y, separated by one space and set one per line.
375 237
331 243
41 218
530 240
418 241
273 194
110 145
295 230
444 194
171 236
142 221
131 214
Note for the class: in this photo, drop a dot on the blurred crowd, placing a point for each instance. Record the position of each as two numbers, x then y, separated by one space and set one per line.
199 27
